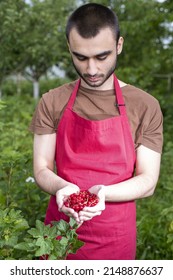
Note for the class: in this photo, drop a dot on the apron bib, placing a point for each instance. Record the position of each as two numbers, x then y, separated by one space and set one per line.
89 153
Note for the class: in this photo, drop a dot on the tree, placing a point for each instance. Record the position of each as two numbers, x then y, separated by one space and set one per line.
12 27
44 40
32 37
141 26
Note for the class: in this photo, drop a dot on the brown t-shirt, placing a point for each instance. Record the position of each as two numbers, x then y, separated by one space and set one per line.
143 111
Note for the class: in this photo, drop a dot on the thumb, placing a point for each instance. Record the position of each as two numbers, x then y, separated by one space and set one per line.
101 191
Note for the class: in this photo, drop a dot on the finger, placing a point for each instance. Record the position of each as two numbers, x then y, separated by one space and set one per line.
93 209
59 201
79 223
87 218
101 192
84 219
68 211
88 215
97 189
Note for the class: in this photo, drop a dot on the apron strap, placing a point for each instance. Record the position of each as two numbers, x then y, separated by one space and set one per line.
120 104
73 95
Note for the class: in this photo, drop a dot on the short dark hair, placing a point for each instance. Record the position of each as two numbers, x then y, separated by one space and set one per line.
89 19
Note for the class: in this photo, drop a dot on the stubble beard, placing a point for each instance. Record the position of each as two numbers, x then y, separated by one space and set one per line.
105 77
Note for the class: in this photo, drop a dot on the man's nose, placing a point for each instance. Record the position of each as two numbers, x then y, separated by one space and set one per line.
92 67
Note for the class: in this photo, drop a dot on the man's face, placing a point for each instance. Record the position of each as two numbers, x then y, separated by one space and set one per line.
95 58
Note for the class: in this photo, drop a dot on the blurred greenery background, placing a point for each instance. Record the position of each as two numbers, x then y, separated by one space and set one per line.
34 58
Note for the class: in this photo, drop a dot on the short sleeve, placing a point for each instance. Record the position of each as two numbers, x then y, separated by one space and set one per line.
151 132
43 118
50 109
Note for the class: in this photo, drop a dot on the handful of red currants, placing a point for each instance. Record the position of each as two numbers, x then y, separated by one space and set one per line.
78 201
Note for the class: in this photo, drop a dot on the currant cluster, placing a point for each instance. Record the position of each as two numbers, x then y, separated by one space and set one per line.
78 201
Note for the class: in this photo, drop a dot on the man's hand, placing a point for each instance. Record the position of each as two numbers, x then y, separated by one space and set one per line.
89 212
62 195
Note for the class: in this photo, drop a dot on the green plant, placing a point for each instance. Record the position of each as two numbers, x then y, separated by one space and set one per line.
170 235
167 215
2 104
52 242
12 226
49 242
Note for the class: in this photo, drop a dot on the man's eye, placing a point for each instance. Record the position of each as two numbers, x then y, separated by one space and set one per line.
81 58
102 57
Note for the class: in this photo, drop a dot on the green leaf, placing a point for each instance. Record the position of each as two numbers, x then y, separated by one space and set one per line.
24 246
73 223
40 226
170 238
11 241
62 226
34 232
71 234
2 243
39 230
75 246
171 227
64 241
51 232
2 105
21 224
45 246
59 250
52 257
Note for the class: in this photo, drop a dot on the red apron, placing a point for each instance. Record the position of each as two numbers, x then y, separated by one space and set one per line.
88 153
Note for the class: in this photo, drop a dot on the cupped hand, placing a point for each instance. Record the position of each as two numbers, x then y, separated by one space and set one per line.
62 195
89 212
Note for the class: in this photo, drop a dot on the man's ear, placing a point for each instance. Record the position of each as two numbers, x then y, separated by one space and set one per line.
120 45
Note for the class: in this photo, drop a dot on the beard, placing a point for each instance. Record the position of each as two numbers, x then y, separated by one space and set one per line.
103 77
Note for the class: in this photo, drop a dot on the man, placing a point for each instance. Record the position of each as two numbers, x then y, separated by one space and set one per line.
105 136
